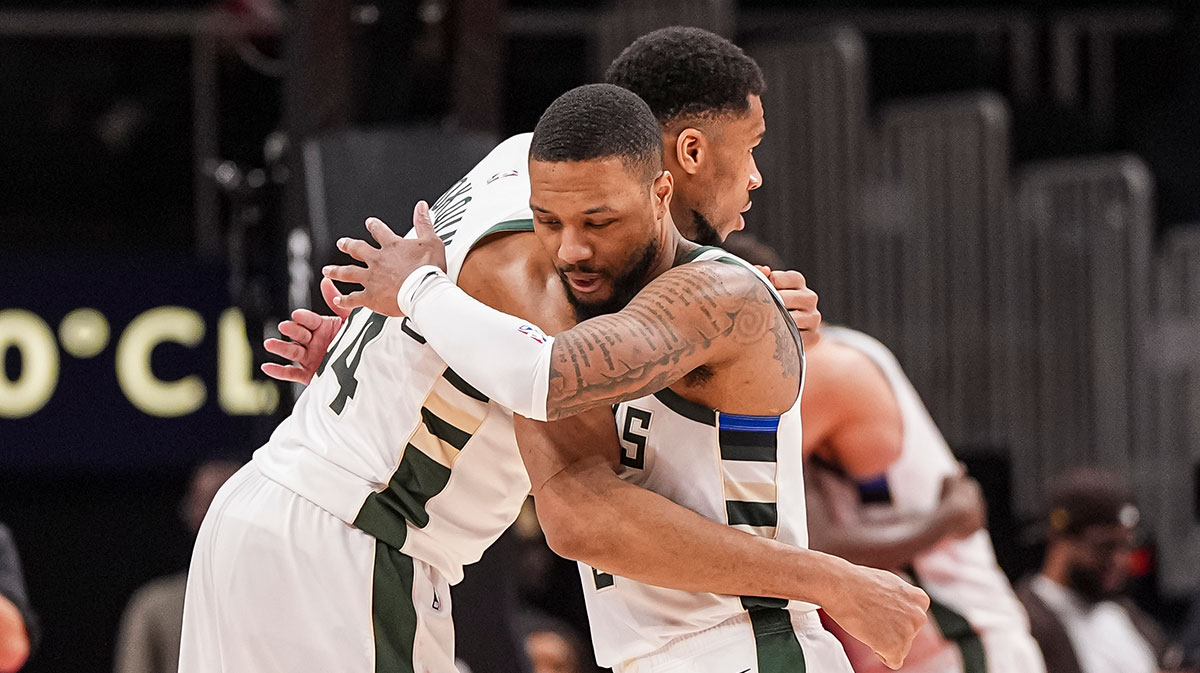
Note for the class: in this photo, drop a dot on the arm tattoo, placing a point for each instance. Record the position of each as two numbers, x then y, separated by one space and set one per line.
685 318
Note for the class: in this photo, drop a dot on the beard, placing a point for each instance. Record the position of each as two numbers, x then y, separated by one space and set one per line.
625 286
1088 583
706 233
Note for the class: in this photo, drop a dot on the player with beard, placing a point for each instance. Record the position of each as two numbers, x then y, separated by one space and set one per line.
706 94
1077 610
334 549
703 369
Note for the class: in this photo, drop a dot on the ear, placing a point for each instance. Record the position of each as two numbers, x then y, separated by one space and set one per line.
691 148
662 188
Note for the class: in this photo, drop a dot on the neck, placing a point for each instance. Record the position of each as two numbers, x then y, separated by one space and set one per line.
672 248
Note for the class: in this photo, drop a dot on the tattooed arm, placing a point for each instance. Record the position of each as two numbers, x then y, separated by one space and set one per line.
702 314
705 314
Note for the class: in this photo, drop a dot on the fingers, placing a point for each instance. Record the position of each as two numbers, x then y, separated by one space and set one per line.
347 274
764 270
295 331
379 230
287 350
328 292
809 337
290 373
423 222
306 318
788 280
350 301
360 250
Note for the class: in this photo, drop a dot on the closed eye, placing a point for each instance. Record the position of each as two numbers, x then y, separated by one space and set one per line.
601 224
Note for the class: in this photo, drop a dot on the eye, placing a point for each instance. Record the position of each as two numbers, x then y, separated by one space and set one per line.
549 222
599 225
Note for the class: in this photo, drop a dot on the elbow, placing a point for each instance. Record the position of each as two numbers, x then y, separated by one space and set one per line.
567 530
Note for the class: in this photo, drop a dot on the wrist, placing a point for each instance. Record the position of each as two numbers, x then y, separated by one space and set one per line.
412 287
822 578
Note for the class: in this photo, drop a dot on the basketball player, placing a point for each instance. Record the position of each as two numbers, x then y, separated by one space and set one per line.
334 549
921 516
884 490
692 349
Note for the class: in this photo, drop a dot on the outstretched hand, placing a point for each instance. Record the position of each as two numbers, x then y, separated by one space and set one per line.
310 334
388 265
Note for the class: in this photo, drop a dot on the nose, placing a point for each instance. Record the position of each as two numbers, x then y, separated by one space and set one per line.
573 247
755 176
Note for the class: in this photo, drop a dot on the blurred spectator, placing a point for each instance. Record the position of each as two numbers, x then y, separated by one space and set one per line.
148 640
552 645
1076 606
18 633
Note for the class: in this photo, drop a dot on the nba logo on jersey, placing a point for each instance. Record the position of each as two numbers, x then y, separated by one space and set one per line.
533 333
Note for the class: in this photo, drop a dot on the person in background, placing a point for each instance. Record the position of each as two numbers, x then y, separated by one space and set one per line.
18 632
1078 613
883 489
148 639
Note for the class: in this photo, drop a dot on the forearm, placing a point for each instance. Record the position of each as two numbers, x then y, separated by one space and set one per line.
637 534
14 639
888 545
460 328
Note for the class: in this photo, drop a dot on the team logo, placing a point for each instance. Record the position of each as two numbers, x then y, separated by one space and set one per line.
533 333
505 174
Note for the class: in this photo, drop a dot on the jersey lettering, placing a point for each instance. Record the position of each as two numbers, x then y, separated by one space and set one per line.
345 366
633 443
449 209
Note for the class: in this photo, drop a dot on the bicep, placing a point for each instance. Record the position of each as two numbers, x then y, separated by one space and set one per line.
693 315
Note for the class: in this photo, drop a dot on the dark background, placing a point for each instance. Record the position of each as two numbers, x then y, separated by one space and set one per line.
96 210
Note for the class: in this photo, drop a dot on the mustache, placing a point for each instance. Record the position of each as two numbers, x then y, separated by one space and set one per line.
578 268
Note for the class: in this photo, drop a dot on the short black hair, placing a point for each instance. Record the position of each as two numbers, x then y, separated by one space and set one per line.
683 73
599 121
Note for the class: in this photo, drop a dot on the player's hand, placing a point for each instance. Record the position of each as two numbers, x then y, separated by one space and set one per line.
800 301
310 334
882 611
963 505
388 265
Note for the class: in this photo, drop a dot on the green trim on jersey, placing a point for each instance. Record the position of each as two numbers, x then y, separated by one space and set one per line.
691 256
779 650
393 617
463 387
687 408
505 227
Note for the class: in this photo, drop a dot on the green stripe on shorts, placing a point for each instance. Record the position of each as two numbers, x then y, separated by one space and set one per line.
778 648
393 617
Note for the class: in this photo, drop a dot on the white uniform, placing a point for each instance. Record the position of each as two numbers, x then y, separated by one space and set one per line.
334 548
744 471
977 623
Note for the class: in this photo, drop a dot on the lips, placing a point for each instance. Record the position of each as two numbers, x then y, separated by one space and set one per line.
583 282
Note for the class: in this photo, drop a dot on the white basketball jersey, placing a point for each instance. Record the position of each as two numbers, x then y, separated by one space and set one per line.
961 575
743 471
390 440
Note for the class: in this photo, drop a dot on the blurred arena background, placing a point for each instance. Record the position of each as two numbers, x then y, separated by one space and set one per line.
1007 194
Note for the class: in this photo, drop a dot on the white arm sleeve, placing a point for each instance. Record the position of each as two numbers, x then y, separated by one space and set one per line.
505 357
